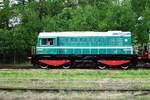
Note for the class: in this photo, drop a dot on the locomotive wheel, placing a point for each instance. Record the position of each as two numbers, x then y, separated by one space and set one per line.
44 66
101 67
124 67
66 66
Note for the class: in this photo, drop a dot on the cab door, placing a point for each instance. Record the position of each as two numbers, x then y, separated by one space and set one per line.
52 45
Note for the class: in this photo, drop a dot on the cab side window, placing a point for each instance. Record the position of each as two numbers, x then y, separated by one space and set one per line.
47 41
43 41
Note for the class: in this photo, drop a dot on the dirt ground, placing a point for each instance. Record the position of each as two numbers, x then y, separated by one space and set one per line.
4 95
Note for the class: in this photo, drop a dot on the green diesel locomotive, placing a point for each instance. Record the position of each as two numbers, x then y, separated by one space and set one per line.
112 48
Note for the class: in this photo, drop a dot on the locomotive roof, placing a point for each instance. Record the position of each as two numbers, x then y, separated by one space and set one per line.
72 34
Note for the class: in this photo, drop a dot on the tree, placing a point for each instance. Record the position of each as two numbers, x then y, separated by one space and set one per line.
141 8
5 15
119 17
83 19
70 15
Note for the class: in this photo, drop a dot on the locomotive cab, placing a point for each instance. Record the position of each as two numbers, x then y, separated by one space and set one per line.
43 43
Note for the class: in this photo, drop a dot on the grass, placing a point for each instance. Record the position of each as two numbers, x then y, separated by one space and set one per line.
70 96
74 78
75 74
85 79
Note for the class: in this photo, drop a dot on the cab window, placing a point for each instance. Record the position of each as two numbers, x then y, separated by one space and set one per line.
47 41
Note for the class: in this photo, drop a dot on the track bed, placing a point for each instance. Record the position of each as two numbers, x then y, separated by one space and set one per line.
81 84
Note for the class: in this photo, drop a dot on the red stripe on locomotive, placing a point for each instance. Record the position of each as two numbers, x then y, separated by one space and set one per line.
54 62
114 62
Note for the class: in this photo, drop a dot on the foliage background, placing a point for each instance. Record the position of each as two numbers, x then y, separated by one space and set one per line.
68 15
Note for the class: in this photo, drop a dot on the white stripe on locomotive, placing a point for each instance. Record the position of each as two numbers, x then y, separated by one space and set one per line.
63 47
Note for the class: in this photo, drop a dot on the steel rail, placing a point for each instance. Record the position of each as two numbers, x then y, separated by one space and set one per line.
73 90
82 67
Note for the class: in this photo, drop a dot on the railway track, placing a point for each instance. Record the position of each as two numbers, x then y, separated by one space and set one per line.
7 66
19 66
136 92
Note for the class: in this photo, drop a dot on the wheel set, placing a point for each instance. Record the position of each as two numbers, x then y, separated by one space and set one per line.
68 66
124 67
44 66
102 67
